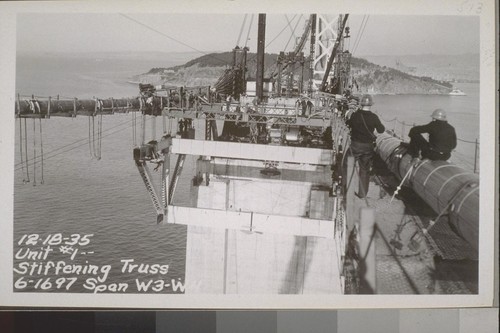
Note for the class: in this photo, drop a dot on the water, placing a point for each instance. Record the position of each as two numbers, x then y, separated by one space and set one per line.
107 198
83 195
462 111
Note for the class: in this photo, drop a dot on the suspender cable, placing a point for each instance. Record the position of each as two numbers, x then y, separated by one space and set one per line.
41 146
26 150
21 146
99 136
71 146
34 152
93 137
90 140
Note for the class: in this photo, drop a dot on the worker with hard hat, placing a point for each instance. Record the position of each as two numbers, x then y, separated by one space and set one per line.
362 123
442 138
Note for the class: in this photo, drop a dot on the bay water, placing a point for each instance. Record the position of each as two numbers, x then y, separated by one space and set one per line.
106 199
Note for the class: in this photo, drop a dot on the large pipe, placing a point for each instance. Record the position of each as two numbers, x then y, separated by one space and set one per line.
42 106
445 187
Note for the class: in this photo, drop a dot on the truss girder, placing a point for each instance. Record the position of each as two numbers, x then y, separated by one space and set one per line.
279 116
326 34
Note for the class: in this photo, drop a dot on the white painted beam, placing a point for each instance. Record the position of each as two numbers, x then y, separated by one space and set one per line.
247 221
252 151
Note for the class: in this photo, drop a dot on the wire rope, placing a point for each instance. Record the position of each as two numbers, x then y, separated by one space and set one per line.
90 139
21 146
26 149
70 144
72 148
293 30
358 36
100 136
34 152
361 35
173 39
249 28
241 29
41 148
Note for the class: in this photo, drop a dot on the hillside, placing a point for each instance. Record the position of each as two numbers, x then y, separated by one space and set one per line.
453 67
369 77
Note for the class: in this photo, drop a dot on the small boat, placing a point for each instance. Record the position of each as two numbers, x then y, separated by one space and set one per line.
457 92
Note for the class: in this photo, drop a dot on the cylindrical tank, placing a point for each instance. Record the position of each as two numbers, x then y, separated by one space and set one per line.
442 185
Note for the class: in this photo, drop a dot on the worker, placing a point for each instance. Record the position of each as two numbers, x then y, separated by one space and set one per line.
362 124
442 138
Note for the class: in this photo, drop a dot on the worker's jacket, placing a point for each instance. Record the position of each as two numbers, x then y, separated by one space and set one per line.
362 124
442 136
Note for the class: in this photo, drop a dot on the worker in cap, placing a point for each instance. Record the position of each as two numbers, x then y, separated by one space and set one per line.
363 123
442 138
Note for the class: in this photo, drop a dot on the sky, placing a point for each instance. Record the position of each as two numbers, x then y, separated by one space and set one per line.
115 32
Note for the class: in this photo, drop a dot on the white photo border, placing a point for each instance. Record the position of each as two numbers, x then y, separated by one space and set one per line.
488 85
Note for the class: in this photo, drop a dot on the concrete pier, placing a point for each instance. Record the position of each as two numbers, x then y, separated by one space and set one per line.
289 247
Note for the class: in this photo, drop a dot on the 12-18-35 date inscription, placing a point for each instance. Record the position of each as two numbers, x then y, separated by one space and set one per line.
59 262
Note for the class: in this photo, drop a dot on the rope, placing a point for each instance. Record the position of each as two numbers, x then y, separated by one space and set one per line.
90 140
94 137
173 39
358 37
249 28
26 149
72 148
34 152
398 188
77 141
100 136
474 142
293 30
241 29
432 222
413 286
21 146
41 147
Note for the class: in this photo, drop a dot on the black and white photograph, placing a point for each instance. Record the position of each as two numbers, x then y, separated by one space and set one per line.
322 156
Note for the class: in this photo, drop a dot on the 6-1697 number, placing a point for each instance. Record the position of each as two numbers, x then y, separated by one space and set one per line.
45 283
